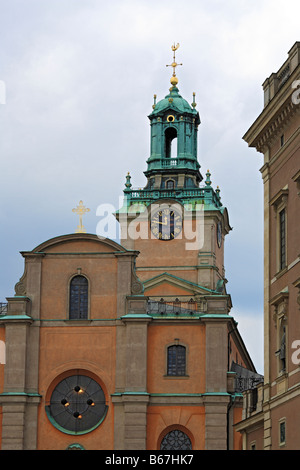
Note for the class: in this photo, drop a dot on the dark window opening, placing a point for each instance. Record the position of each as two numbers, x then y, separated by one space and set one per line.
78 298
282 432
176 360
282 239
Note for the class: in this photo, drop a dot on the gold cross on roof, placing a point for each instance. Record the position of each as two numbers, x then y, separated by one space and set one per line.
80 210
174 79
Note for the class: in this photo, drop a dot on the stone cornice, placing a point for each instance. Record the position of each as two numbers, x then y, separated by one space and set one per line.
274 117
275 127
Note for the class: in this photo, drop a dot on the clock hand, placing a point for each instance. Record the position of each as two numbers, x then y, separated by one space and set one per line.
157 222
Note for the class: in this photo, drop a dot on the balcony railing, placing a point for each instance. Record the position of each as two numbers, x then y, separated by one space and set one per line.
170 162
247 383
170 309
206 194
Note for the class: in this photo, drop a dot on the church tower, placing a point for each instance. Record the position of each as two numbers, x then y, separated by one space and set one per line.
176 223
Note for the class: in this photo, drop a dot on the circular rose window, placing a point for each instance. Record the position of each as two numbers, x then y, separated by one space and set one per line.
77 404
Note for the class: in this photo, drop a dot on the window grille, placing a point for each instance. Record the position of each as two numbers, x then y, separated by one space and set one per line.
176 440
176 360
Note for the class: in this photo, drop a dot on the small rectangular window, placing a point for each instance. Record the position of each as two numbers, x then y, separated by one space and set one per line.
282 140
282 432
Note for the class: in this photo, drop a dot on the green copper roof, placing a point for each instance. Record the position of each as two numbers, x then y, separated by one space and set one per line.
173 101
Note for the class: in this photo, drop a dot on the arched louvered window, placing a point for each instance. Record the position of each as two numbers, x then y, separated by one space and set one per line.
176 360
170 184
78 308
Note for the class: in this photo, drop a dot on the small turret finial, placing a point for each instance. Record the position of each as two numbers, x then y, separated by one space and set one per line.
194 104
208 181
154 101
174 79
128 183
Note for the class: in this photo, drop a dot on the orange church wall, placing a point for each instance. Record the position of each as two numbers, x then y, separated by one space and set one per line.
155 252
79 246
162 419
56 275
70 350
161 336
180 252
235 354
237 436
164 289
189 275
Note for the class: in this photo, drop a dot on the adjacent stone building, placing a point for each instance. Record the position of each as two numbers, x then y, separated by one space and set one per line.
272 411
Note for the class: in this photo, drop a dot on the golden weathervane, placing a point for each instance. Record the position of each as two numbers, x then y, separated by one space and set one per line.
80 210
174 79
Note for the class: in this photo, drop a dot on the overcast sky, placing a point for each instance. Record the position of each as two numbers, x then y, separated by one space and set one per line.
80 76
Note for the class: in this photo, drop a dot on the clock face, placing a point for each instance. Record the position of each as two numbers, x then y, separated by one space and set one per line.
166 224
219 234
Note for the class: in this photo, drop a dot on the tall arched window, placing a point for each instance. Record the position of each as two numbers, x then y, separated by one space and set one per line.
78 308
171 142
176 360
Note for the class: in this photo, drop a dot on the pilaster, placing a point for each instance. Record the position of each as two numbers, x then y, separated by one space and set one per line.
19 400
216 421
131 398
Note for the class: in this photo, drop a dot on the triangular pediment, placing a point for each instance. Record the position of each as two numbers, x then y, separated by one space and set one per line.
166 284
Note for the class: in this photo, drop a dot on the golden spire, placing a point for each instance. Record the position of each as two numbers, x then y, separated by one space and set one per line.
174 79
80 210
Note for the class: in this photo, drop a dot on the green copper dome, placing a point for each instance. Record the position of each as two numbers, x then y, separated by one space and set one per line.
173 101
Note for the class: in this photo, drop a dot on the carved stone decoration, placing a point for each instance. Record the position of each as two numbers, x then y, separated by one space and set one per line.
20 288
275 128
297 285
137 286
280 304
